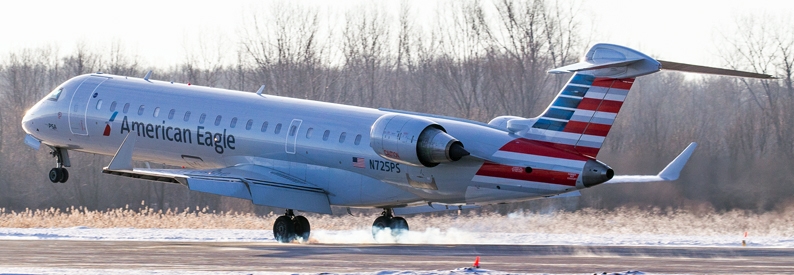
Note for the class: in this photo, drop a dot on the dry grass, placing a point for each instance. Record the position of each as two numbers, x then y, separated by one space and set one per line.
620 221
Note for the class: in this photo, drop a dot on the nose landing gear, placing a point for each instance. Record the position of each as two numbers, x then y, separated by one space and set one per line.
59 173
397 225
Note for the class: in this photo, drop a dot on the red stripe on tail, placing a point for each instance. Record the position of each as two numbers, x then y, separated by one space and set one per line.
593 104
594 129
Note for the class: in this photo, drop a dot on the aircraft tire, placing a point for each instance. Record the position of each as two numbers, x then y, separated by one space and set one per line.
398 226
55 175
65 174
380 223
302 228
284 229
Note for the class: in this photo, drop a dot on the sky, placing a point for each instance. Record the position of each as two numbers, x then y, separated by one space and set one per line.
161 33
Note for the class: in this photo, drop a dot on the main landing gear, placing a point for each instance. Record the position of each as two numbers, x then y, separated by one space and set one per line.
289 227
398 225
59 173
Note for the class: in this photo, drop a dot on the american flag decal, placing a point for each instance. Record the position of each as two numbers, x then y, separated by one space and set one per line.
358 162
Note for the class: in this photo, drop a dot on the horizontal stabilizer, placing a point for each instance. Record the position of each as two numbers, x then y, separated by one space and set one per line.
669 173
583 66
674 66
611 61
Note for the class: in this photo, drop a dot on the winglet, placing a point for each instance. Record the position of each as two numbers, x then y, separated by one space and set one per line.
149 74
673 170
261 89
123 158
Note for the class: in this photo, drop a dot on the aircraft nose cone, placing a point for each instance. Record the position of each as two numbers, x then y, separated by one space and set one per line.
27 122
31 119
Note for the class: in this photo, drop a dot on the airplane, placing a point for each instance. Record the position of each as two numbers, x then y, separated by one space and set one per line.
308 155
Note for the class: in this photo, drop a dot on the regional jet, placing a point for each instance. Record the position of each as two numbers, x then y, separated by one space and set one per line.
308 156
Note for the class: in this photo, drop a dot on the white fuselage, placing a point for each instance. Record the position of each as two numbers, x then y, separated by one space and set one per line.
203 128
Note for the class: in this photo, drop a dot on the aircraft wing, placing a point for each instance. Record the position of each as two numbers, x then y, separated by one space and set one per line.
262 185
669 173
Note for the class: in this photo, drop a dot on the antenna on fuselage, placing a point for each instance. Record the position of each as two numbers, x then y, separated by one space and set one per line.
261 89
149 74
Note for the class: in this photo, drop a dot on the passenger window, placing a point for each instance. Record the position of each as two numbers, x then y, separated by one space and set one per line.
187 116
309 132
342 137
358 139
218 120
171 114
55 94
233 123
99 104
249 124
264 126
113 106
156 112
326 134
201 118
278 128
140 110
126 107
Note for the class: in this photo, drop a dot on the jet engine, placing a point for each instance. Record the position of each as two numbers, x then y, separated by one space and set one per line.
414 141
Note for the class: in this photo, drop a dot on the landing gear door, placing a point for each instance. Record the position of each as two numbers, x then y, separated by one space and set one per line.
78 106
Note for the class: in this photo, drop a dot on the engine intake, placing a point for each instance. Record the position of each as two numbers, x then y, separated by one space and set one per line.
414 141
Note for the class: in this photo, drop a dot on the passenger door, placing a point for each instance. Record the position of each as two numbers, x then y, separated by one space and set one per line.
78 106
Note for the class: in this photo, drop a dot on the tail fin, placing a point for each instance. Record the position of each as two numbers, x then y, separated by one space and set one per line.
582 114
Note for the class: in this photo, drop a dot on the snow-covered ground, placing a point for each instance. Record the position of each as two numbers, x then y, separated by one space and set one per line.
621 227
428 236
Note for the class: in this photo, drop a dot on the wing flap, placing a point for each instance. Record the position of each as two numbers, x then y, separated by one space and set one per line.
261 185
270 189
593 65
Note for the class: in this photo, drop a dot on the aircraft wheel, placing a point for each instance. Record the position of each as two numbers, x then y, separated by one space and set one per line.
379 224
398 226
284 229
65 174
302 228
55 175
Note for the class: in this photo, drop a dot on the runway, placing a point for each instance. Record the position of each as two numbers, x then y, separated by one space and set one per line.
318 258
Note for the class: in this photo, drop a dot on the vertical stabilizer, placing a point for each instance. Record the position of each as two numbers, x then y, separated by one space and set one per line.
582 114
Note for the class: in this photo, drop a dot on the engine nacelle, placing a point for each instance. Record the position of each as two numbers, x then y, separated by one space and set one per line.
414 141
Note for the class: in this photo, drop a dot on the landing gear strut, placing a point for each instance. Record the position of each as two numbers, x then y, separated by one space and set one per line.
398 225
59 173
289 227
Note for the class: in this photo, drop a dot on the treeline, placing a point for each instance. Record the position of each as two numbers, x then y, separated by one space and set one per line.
476 60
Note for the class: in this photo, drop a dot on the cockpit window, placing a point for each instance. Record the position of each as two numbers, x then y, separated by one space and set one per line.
55 94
